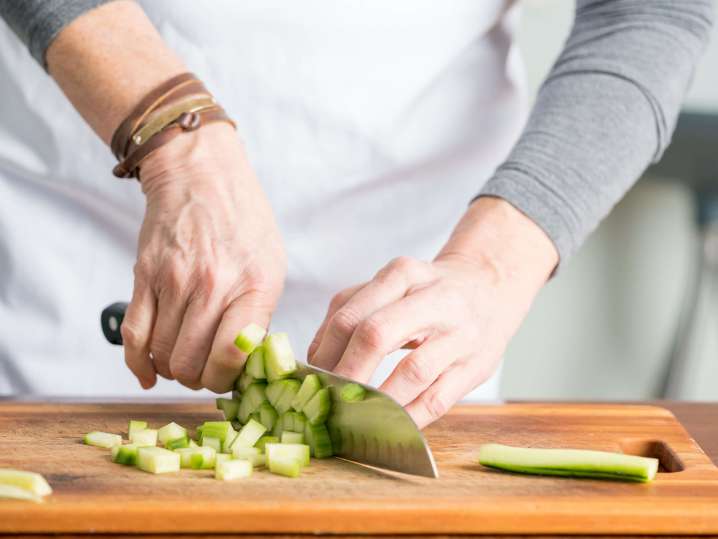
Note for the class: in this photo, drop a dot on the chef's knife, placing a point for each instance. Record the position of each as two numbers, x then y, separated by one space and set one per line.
375 431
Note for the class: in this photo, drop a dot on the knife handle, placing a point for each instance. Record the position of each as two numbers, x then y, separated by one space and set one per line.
111 320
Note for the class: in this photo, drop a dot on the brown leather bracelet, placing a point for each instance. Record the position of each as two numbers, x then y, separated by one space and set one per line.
129 167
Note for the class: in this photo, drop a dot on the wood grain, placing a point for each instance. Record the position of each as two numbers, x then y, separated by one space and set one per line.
94 495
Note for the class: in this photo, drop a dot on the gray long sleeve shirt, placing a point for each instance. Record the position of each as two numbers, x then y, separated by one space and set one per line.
605 112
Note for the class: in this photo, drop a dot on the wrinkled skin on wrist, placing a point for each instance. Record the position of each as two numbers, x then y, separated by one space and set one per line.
210 261
456 312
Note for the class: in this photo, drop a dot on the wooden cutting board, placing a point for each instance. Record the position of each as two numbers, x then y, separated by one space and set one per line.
91 494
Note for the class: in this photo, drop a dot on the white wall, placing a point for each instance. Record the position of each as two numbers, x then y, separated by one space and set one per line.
603 327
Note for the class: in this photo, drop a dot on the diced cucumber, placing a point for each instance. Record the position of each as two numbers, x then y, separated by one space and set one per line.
279 359
293 421
144 437
157 460
244 381
294 451
178 443
264 440
16 493
229 408
252 454
134 426
267 415
216 429
568 462
319 440
309 387
197 457
250 337
102 439
214 443
252 399
281 393
229 470
250 434
125 454
283 465
171 431
289 437
278 429
192 443
352 393
30 482
221 457
318 408
228 441
255 364
255 415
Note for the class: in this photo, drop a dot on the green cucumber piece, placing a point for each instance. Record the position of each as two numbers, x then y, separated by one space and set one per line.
31 483
135 425
171 431
144 437
216 429
221 457
250 337
352 393
250 434
252 399
287 466
291 388
310 385
125 454
293 421
252 454
279 359
178 443
229 470
229 440
214 443
157 460
244 381
289 437
318 408
102 439
267 415
255 364
16 493
568 462
192 443
229 407
319 440
278 429
294 451
264 440
197 457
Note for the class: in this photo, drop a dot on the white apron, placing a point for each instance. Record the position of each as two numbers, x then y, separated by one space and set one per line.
370 125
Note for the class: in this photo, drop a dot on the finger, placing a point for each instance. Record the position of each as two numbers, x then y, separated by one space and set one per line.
389 285
335 304
136 332
387 330
453 384
419 369
170 312
194 341
225 360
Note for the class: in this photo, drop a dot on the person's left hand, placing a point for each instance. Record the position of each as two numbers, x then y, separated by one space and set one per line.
457 312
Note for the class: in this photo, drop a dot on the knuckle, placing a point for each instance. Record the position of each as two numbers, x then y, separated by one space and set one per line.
404 264
174 275
131 337
415 370
370 332
184 372
338 300
345 321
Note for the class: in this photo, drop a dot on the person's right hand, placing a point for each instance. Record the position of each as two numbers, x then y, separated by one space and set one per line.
210 261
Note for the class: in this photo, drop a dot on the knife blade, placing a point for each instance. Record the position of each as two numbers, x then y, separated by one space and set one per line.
375 431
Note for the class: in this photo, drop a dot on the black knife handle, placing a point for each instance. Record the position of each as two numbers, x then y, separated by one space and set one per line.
111 320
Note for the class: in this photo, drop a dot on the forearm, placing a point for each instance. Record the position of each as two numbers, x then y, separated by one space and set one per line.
107 59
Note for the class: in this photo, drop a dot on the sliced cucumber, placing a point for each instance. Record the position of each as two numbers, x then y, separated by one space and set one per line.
178 443
171 431
135 425
229 470
216 429
192 443
157 460
125 454
144 437
281 393
32 483
293 421
279 359
352 393
252 454
221 457
267 415
319 440
309 387
289 437
228 441
252 399
197 457
102 439
293 451
264 440
244 381
255 364
318 408
568 462
229 408
250 337
283 465
17 493
250 434
214 443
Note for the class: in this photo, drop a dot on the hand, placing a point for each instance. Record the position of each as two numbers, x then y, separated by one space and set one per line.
457 312
210 261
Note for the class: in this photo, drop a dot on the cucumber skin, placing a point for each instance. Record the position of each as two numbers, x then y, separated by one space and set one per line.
568 473
250 337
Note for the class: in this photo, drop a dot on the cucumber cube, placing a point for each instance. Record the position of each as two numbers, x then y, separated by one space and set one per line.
292 437
157 460
250 337
267 415
177 443
216 429
32 483
16 493
352 393
293 451
102 439
221 457
318 408
255 364
229 470
252 454
252 399
309 387
279 359
229 408
144 437
319 440
293 421
287 466
228 441
135 425
192 443
125 454
244 381
281 393
214 443
250 434
264 440
197 457
171 431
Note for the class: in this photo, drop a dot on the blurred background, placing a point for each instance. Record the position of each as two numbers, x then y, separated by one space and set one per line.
625 319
